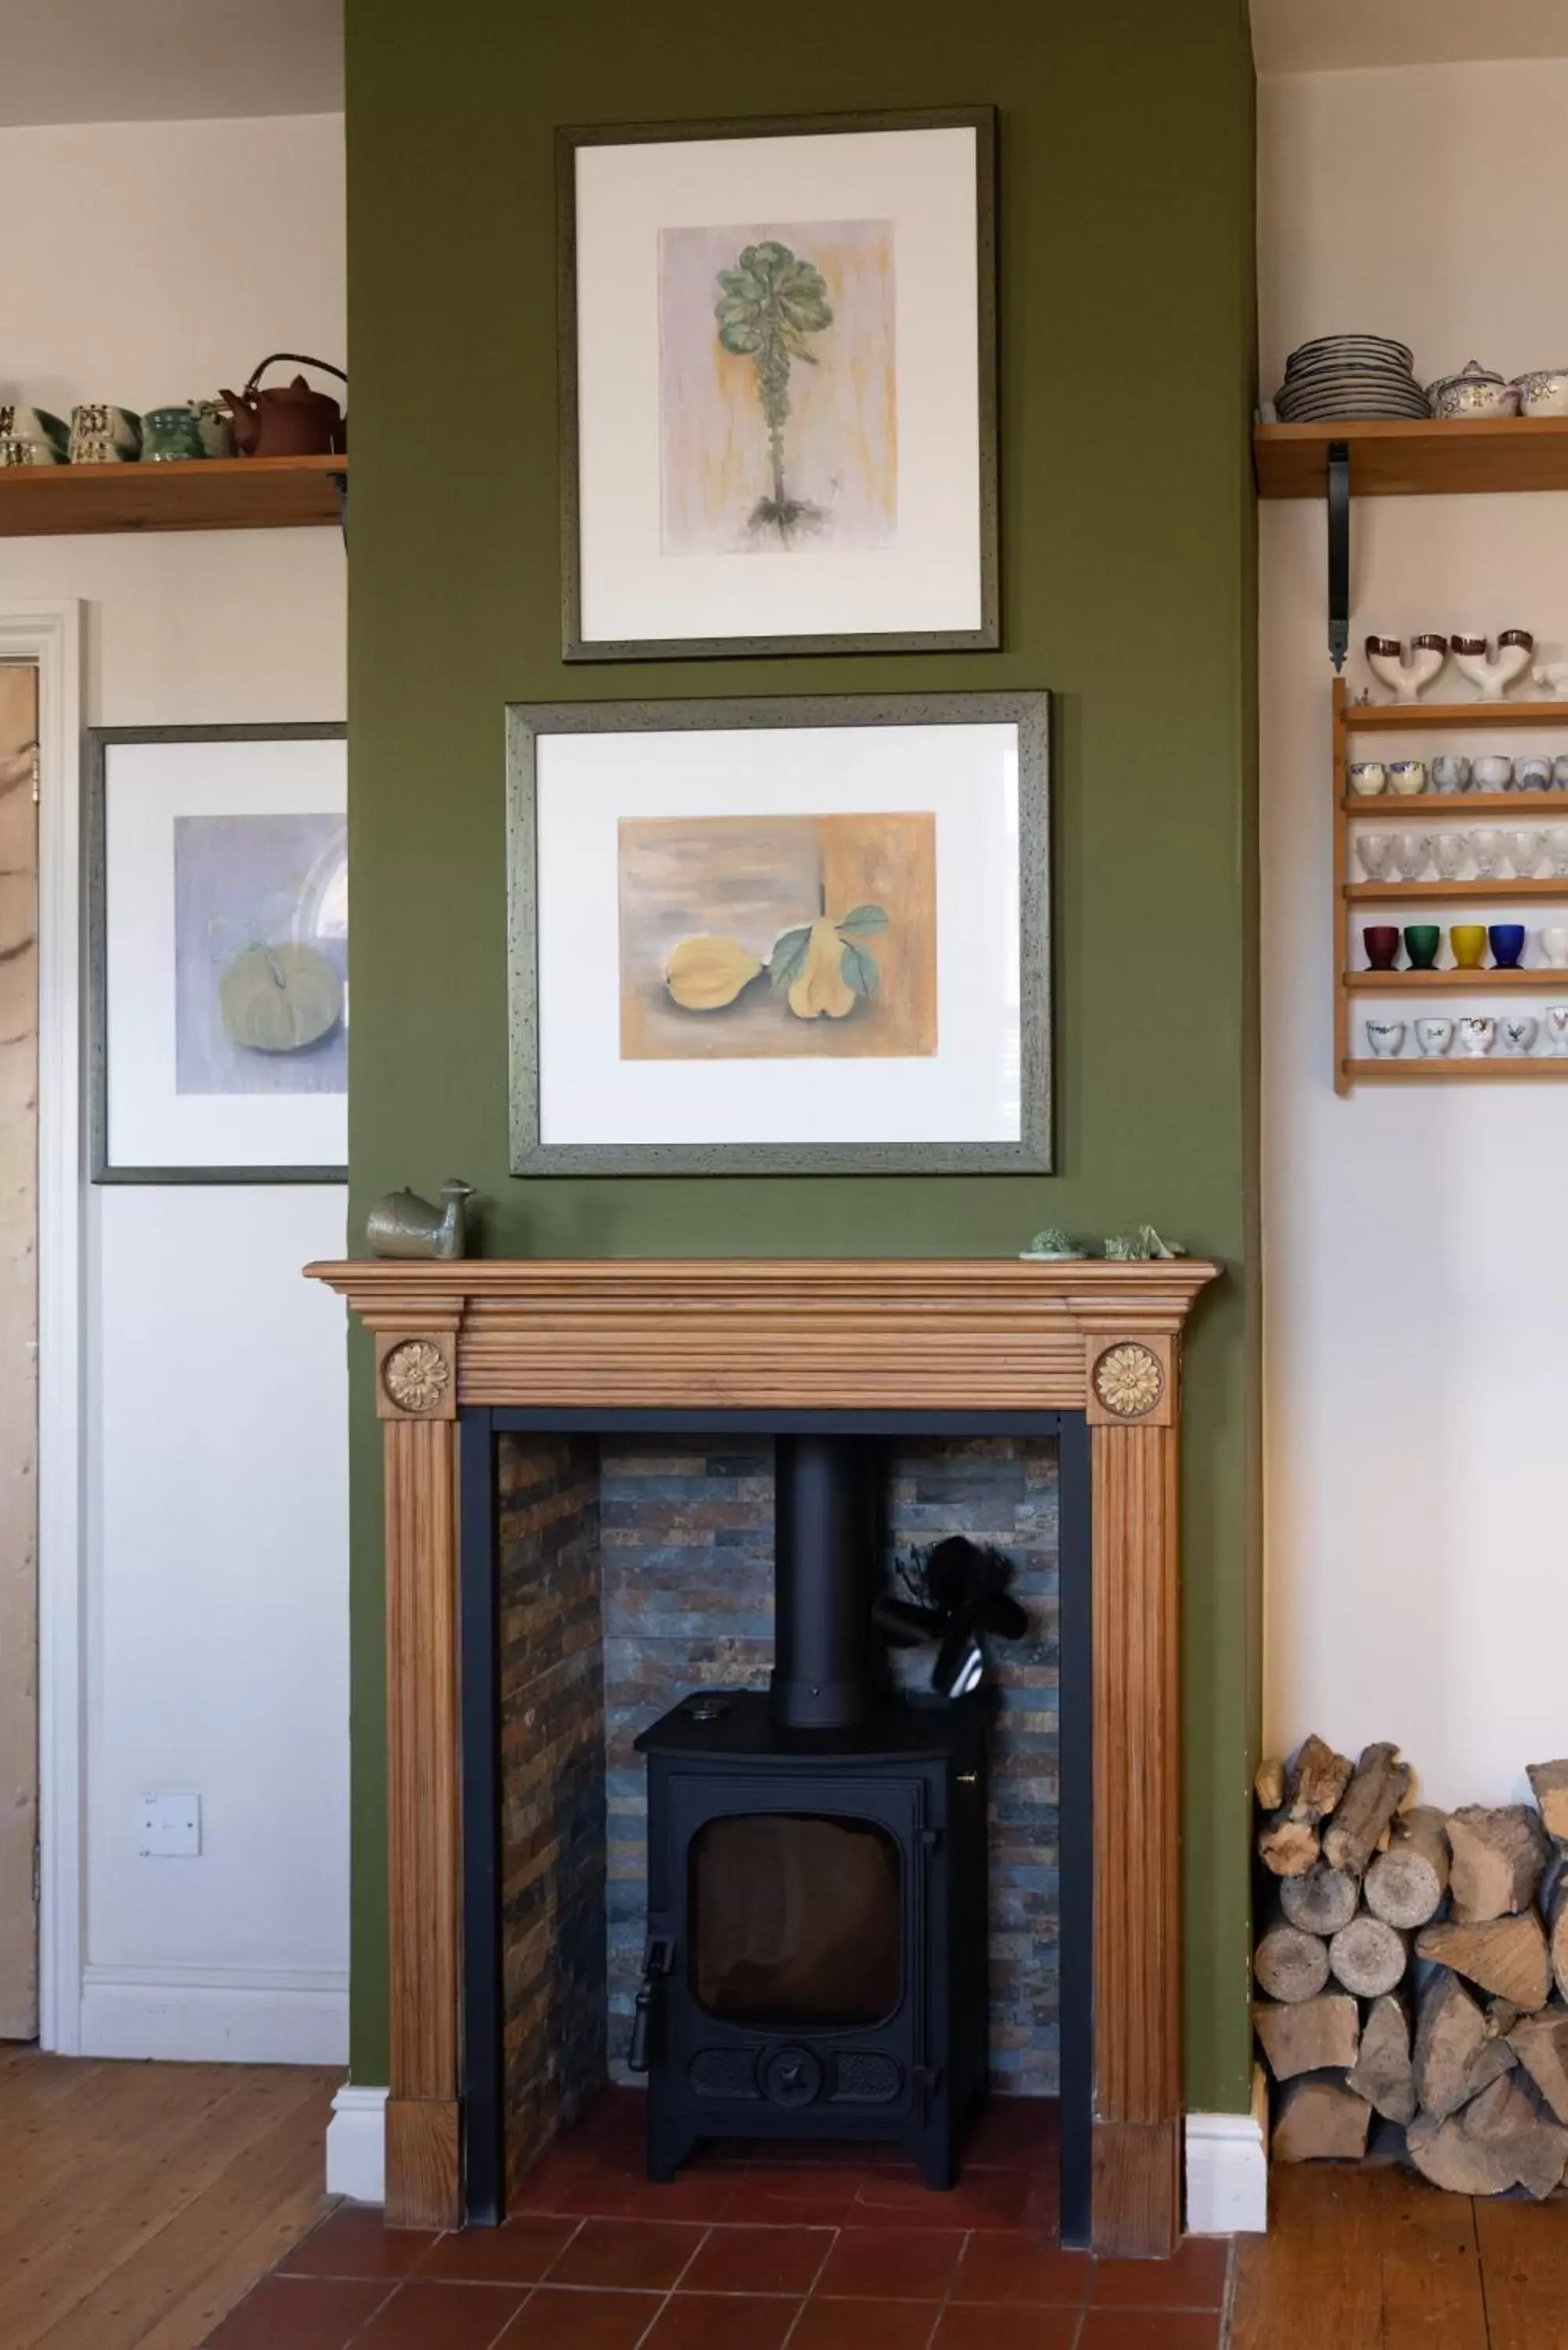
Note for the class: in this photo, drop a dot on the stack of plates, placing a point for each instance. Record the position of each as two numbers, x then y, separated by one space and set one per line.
1349 375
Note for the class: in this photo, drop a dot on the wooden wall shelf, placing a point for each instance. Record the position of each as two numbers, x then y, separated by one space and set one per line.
1386 804
1418 457
1466 1072
202 493
1538 982
1399 717
1348 718
1454 893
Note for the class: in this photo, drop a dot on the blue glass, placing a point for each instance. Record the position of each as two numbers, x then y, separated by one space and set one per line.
1507 941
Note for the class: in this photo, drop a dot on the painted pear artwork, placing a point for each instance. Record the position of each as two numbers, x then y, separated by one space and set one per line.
766 938
769 305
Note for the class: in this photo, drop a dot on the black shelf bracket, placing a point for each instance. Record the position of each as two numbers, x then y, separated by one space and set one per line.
1338 553
340 483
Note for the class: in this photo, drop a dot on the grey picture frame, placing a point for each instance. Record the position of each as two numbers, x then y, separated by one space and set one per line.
987 637
97 742
1031 1154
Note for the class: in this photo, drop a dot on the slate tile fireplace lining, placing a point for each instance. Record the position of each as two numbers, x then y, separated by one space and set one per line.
484 2051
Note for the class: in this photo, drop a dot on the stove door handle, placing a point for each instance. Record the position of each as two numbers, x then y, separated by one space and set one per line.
658 1959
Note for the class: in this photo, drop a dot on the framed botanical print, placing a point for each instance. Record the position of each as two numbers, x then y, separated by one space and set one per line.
218 915
781 937
778 386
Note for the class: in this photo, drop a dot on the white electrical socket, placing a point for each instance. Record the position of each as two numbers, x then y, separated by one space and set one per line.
171 1828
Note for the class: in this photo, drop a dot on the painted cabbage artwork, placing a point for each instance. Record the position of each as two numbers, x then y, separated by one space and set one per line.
770 306
778 398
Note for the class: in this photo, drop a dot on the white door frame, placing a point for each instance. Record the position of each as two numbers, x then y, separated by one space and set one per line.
50 635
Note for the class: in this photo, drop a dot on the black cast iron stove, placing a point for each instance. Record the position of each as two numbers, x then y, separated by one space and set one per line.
817 1870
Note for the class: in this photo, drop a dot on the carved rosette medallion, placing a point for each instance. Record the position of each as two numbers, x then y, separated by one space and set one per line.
416 1375
1129 1381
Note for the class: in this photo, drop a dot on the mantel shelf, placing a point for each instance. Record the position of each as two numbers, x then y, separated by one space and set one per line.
1401 717
1457 982
1454 893
1415 457
198 493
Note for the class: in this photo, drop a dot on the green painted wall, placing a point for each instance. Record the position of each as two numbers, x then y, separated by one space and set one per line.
1126 340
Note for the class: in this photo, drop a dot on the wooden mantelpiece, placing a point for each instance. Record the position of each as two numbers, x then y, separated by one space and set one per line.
964 1333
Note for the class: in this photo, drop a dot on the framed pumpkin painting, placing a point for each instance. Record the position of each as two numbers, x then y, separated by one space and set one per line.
781 937
218 952
778 386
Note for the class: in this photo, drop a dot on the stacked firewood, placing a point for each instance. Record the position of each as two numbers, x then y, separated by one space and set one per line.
1414 1965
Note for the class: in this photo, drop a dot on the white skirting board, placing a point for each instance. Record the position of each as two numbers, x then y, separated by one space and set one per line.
1227 2162
1228 2169
357 2145
215 2015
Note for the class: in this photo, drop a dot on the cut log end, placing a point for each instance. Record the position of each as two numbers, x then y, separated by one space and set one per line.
1315 2035
1320 1902
1291 1966
1321 2120
1499 1858
1368 1957
1505 1955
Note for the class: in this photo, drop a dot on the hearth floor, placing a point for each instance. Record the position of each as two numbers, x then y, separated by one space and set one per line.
750 2248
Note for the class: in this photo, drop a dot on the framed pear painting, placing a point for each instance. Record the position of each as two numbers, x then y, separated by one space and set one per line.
777 348
782 937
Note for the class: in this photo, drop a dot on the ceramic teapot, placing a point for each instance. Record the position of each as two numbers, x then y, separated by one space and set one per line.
290 420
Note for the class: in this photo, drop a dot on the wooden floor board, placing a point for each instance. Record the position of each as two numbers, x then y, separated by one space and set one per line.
1375 2260
140 2202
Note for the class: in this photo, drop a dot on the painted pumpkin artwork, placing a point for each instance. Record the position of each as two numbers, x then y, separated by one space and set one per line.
278 999
261 954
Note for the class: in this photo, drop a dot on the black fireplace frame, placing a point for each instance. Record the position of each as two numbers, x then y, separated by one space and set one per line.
483 2170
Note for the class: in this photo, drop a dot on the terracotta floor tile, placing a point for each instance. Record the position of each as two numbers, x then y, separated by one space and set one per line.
1193 2278
1022 2268
1011 2133
422 2316
703 2195
552 2320
983 2198
829 2325
560 2181
722 2321
646 2254
857 2153
792 2194
759 2260
617 2118
356 2241
520 2252
307 2313
1020 2326
1149 2329
892 2263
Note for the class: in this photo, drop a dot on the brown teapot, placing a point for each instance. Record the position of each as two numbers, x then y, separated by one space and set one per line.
290 420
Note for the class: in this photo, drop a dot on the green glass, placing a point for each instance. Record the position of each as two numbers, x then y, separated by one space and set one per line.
170 435
1421 944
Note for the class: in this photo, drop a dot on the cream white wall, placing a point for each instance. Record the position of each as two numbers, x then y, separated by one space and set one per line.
1415 1271
152 262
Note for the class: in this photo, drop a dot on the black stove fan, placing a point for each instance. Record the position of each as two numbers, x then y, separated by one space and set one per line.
955 1595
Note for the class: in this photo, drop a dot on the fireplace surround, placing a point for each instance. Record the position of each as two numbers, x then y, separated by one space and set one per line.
1097 1343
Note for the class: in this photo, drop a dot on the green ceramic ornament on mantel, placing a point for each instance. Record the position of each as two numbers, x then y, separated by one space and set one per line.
1052 1246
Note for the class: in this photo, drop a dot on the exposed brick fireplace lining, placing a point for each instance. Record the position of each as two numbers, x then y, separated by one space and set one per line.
634 1568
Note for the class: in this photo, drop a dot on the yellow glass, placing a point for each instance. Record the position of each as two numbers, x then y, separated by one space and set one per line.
1469 942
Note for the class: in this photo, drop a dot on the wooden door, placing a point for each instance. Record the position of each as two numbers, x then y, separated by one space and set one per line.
18 1352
